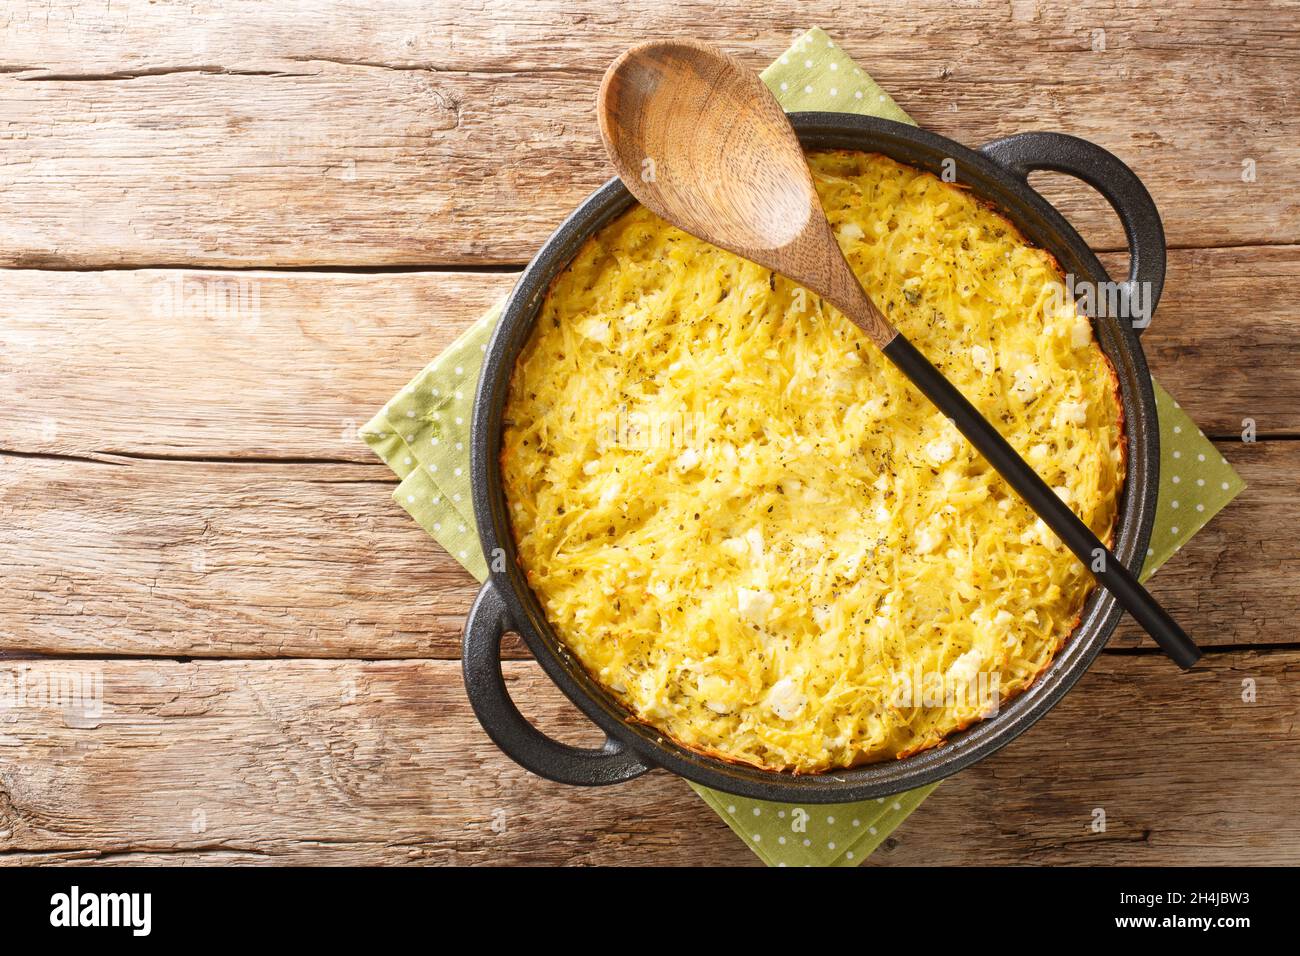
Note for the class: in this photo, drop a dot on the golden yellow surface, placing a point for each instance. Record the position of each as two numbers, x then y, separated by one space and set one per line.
754 530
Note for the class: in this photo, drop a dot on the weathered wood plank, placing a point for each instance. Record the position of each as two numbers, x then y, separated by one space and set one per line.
165 362
310 164
253 364
366 762
1178 766
261 560
1237 581
64 36
1225 340
219 560
355 762
406 132
441 134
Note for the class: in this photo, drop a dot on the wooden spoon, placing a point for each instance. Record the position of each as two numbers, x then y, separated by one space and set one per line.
702 143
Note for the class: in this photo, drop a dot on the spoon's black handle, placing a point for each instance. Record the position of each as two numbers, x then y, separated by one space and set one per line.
1076 535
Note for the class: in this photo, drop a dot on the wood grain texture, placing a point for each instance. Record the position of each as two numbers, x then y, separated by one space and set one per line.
383 763
1225 340
445 133
211 559
220 364
330 133
256 364
138 36
132 557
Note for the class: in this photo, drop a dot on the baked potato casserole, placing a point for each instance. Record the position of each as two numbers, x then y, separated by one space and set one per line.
754 531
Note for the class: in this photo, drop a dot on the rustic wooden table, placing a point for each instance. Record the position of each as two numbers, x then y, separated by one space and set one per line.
229 231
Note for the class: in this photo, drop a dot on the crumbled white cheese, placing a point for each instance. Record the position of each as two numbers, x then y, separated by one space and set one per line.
982 358
927 540
836 743
965 668
754 605
651 690
1040 533
785 700
736 546
1080 333
1073 413
596 330
851 231
754 536
612 491
687 460
1064 494
939 451
1025 385
1039 453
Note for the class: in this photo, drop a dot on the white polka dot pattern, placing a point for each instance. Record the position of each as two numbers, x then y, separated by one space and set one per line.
438 405
817 75
1195 482
835 835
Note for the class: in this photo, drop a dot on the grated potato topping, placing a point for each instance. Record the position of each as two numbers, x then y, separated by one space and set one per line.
756 532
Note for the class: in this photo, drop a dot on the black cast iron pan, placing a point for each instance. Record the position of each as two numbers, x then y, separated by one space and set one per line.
996 173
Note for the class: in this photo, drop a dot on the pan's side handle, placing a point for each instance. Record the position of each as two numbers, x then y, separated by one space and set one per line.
1023 153
523 743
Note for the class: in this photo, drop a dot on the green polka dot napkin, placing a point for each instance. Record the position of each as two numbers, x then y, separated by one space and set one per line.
423 435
